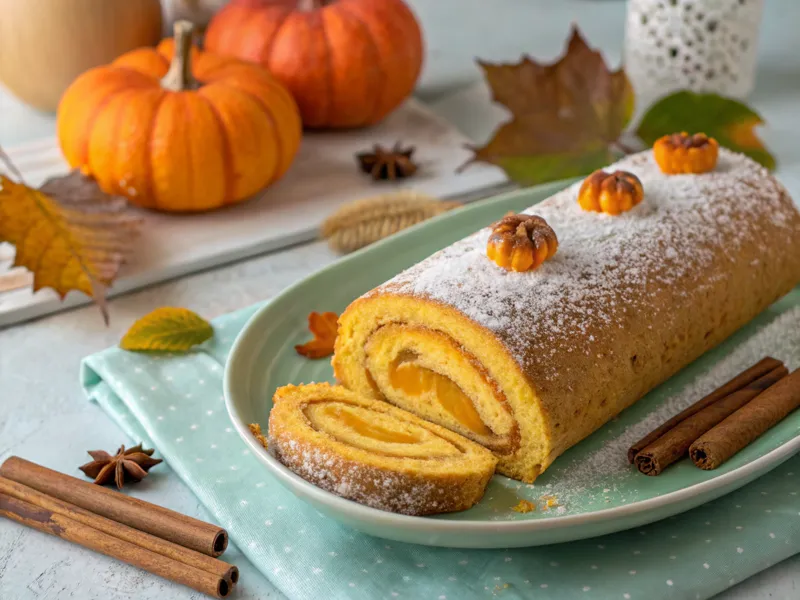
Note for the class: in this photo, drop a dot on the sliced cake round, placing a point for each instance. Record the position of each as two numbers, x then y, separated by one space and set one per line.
374 453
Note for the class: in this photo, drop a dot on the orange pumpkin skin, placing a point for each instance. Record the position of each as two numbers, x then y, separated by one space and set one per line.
611 193
681 153
348 63
179 151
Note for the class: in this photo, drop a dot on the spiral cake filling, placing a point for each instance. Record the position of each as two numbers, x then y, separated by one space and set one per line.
426 372
413 380
374 453
369 430
425 358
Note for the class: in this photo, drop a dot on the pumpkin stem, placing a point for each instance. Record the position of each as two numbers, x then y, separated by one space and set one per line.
311 5
179 77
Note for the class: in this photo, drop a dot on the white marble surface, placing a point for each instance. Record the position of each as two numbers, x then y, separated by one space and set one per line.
44 417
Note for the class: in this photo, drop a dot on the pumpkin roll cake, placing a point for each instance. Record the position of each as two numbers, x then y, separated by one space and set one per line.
374 453
528 349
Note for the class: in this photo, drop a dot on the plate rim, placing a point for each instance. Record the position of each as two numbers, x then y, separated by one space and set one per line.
359 512
354 510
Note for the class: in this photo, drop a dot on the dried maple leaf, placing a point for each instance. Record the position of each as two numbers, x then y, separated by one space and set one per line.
324 327
167 329
727 120
68 233
566 116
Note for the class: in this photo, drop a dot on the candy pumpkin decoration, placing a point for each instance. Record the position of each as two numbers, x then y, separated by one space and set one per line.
681 153
179 130
611 193
348 63
521 242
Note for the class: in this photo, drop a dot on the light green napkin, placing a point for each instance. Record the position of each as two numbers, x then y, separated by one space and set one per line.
175 403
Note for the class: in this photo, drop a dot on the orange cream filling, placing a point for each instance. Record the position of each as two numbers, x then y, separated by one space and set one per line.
416 381
425 372
377 431
367 429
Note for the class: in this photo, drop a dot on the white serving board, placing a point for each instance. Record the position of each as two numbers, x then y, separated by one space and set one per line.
324 176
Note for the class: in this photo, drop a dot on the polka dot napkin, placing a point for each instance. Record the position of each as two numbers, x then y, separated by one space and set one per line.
175 403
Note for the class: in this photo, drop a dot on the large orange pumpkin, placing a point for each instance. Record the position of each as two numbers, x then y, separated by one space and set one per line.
348 63
179 131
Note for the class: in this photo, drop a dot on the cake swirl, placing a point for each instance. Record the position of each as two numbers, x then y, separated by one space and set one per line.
373 453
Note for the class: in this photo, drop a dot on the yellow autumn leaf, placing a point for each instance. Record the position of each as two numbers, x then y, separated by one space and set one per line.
68 233
167 329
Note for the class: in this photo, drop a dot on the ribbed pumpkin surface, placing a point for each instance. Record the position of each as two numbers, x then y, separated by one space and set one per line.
348 63
232 130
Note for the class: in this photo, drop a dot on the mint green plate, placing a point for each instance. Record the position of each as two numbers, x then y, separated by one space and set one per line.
592 502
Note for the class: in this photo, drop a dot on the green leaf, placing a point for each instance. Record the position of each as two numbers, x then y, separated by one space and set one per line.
565 116
167 330
535 169
729 121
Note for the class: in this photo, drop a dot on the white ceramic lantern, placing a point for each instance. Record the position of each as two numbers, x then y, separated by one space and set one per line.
700 45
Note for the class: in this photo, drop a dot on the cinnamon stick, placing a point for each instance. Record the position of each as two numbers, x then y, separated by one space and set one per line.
674 444
144 540
69 529
158 521
761 368
747 423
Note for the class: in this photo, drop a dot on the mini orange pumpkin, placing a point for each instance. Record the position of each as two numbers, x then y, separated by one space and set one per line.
348 63
192 134
611 193
683 153
521 242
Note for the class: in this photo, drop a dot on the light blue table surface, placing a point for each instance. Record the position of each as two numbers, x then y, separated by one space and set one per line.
44 417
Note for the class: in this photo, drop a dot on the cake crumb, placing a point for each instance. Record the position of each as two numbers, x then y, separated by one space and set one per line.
549 502
255 429
524 506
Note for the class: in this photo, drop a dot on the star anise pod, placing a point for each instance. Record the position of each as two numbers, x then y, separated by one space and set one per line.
133 464
392 164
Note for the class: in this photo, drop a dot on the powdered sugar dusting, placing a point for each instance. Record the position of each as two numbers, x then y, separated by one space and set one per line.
606 265
606 466
378 489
